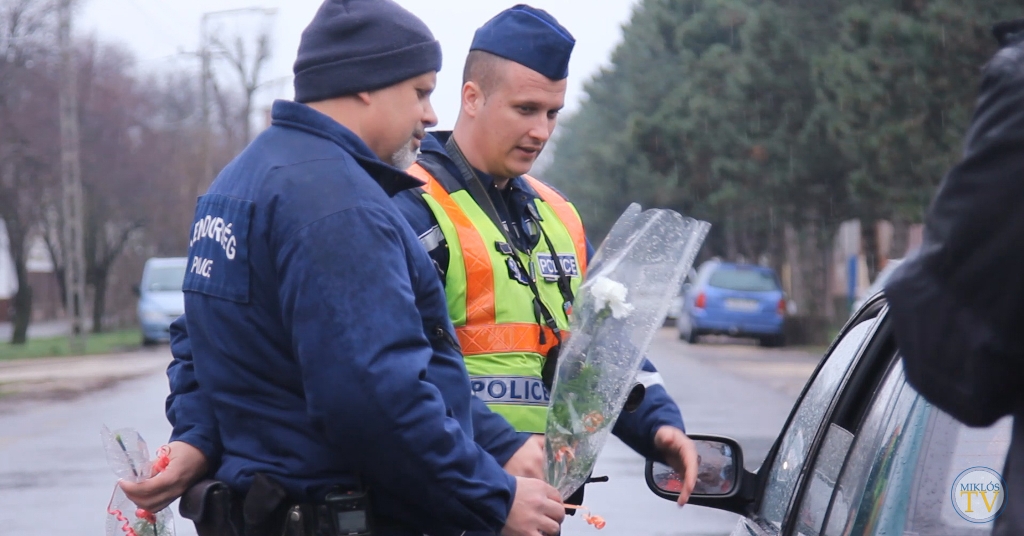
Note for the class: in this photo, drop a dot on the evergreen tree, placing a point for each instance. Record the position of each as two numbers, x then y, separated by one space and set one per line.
776 120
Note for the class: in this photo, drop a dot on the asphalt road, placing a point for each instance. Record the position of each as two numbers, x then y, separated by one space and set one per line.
53 473
723 387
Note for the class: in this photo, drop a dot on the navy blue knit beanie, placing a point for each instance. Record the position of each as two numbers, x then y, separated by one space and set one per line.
361 45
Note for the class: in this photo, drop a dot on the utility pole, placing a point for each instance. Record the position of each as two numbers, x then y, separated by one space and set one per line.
204 77
71 183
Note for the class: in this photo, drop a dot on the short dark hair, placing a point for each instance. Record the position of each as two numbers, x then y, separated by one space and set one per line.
485 69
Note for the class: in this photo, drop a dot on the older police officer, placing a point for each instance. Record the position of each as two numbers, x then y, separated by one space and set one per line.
325 363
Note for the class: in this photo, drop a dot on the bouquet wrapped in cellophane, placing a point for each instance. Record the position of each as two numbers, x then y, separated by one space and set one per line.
128 456
630 284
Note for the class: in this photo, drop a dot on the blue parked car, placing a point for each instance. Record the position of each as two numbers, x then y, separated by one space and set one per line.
161 299
740 300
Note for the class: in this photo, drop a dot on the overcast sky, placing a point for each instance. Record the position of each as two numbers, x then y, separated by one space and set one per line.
162 32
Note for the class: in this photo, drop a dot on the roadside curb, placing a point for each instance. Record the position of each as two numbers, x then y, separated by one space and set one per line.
69 377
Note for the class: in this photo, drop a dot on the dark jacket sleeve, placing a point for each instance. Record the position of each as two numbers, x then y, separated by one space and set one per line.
494 433
381 406
958 305
191 417
638 428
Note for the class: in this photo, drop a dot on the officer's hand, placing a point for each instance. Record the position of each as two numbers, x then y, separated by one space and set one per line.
528 461
186 467
536 509
681 453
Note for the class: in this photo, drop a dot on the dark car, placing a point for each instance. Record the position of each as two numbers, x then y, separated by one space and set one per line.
740 300
862 453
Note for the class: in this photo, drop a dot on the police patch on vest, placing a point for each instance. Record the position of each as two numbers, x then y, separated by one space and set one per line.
516 390
515 273
549 271
218 250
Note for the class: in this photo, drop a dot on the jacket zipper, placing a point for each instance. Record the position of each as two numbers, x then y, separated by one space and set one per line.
444 335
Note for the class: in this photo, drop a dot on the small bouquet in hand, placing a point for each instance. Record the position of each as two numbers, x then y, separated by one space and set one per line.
128 456
630 284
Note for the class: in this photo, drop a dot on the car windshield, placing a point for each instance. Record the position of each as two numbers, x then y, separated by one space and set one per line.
743 279
165 278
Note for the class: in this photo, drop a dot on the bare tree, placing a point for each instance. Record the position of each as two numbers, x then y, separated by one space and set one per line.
247 62
140 153
133 145
26 157
116 164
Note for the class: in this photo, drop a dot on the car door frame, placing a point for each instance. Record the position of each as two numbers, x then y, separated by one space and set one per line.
874 309
850 407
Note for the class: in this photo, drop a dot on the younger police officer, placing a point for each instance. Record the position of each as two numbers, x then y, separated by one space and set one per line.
512 250
324 357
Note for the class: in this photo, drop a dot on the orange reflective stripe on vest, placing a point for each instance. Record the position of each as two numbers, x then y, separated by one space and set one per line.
482 334
567 214
479 274
504 339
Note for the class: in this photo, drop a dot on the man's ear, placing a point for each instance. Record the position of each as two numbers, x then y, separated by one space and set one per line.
472 98
364 96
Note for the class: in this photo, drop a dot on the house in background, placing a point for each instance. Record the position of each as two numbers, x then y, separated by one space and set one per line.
8 279
849 261
46 300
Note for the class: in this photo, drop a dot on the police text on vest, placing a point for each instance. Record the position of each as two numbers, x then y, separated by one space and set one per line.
201 266
214 227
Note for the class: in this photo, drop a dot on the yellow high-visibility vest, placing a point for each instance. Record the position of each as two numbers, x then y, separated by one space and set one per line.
491 306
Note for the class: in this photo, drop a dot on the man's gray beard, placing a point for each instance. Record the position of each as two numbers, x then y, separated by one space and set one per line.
404 157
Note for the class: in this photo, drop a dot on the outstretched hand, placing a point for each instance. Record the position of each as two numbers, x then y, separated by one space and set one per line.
680 453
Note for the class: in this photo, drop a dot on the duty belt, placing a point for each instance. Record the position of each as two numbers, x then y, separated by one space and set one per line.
264 511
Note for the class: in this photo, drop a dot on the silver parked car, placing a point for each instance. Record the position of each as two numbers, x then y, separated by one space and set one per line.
675 309
161 299
861 454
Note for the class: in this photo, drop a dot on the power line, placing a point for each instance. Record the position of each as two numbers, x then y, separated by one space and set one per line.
153 21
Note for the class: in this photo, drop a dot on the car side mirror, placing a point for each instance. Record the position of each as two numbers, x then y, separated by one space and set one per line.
722 482
137 290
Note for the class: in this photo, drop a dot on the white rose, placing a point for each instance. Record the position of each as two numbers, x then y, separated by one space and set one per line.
612 294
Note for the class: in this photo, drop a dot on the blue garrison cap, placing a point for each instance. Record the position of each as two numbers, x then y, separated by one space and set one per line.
530 37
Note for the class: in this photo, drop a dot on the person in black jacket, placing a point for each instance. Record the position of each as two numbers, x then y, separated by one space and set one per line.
958 305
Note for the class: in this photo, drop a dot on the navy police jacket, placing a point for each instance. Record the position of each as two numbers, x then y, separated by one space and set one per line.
321 338
636 429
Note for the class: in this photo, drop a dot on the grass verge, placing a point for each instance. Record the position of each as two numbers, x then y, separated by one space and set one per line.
96 343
